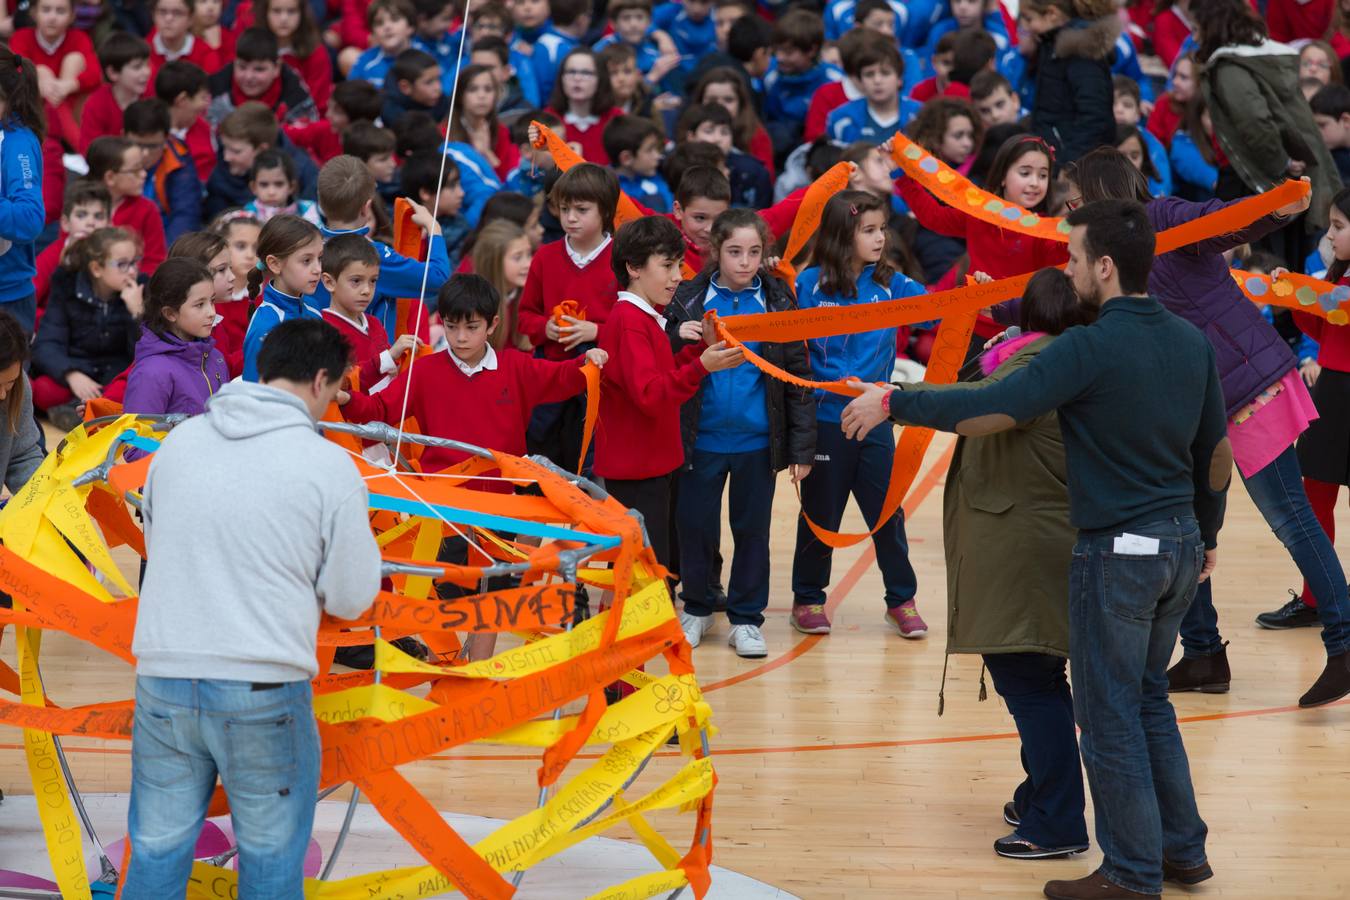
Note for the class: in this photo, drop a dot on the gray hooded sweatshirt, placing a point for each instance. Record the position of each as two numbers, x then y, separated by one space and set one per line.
254 524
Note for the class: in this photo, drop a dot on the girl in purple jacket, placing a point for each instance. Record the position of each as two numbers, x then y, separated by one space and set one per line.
177 364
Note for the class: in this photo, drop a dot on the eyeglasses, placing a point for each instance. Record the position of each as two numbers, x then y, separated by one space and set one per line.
139 170
581 73
125 265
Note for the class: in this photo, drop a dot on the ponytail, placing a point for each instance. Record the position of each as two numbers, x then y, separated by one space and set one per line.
255 281
19 89
280 237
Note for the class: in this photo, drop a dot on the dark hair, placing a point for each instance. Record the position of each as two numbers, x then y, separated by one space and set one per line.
615 7
834 252
1125 133
746 121
494 45
1193 123
299 349
688 155
699 113
703 183
168 290
1124 84
345 186
120 48
359 99
509 206
272 158
13 349
146 116
728 222
416 132
179 77
280 237
19 89
1262 261
1105 174
401 9
257 44
1336 271
589 183
366 139
105 154
824 153
466 76
520 128
866 7
422 172
1049 303
199 245
468 296
1332 100
628 134
640 240
799 28
929 127
973 51
1219 23
94 248
410 64
1118 229
862 47
426 9
748 35
994 139
253 122
306 38
86 190
1013 149
945 44
566 12
985 83
493 11
347 249
603 98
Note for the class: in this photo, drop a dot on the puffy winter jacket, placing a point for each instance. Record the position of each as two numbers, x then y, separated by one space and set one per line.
1074 97
81 333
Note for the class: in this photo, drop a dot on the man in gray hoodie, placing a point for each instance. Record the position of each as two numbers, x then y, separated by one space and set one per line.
254 525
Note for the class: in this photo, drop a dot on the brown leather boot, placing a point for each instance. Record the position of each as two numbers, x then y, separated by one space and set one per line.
1331 685
1206 674
1092 887
1192 875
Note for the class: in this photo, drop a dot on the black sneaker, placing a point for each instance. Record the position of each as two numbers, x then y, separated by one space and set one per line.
1015 847
1331 685
1010 814
1206 674
1294 614
413 647
359 656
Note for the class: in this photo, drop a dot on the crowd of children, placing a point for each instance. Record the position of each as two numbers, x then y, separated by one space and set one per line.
177 180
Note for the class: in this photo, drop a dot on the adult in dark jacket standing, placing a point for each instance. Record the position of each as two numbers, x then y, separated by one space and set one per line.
740 424
1074 97
1257 371
1007 537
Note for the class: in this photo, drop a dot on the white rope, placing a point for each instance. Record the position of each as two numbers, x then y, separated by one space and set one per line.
435 208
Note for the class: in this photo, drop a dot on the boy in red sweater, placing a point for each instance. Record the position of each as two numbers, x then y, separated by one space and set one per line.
577 269
182 85
67 69
119 165
352 100
85 208
124 60
470 392
351 267
637 440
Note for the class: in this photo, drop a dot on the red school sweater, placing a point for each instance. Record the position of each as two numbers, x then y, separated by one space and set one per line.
101 116
778 217
490 408
229 332
369 342
553 278
25 43
1333 341
637 434
141 215
999 252
319 139
589 140
198 53
197 138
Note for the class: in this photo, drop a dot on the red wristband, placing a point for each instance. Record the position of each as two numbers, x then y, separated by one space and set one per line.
886 403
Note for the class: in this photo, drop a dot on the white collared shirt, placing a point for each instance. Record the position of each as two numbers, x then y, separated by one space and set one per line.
47 48
577 120
169 55
489 362
630 297
581 260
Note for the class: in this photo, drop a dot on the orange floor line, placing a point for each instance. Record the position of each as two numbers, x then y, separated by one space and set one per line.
846 584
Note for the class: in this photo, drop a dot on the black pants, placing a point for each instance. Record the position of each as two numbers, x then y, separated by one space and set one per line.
556 430
1050 800
654 498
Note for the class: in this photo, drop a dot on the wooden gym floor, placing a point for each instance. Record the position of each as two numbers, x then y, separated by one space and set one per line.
838 779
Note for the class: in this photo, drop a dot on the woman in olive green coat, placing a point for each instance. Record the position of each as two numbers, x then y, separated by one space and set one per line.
1008 545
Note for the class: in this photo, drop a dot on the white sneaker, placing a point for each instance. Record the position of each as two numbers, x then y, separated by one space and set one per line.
748 642
694 627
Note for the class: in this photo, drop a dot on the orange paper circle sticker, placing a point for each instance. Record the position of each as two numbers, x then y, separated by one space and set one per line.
945 177
1306 296
974 196
1337 317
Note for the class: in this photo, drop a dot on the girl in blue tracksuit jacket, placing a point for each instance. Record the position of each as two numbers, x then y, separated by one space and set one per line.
849 267
22 215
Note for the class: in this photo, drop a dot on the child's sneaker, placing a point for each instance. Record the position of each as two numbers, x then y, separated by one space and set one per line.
810 618
694 627
905 619
747 641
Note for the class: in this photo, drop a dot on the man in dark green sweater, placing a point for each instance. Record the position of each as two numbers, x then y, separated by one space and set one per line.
1149 463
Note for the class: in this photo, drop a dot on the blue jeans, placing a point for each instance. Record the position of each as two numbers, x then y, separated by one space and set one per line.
25 311
1124 610
698 518
1050 800
1277 490
863 469
265 747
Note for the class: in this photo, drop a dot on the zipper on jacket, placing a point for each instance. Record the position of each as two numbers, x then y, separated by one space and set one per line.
209 390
